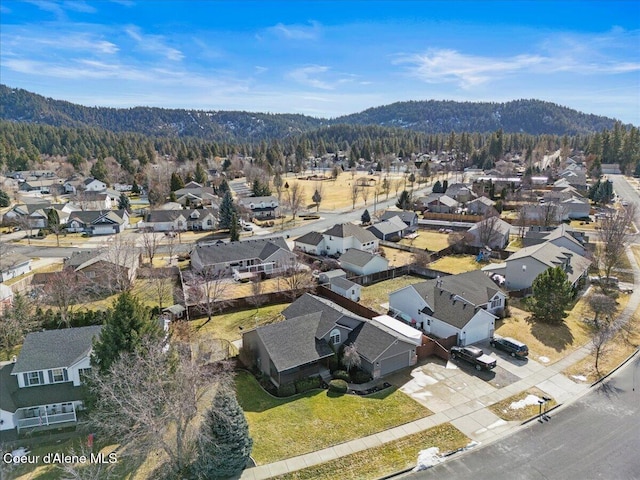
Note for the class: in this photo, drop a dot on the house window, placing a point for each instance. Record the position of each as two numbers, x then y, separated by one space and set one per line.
335 337
34 378
84 373
91 274
496 302
57 375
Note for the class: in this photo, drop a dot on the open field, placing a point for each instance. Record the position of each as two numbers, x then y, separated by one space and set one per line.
428 239
336 194
458 264
386 459
280 427
374 295
66 240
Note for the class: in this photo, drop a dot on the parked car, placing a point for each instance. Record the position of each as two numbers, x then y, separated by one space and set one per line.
474 356
513 347
247 228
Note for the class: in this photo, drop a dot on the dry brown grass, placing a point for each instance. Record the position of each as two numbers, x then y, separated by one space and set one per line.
457 264
397 258
374 295
503 408
427 239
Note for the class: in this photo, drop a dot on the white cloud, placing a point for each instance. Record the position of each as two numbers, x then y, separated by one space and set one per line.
154 44
309 76
296 32
451 66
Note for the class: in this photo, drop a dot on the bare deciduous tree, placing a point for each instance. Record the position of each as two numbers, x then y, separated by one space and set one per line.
489 229
63 290
297 277
364 193
161 285
294 198
120 262
604 308
207 288
150 243
354 192
614 236
148 401
350 357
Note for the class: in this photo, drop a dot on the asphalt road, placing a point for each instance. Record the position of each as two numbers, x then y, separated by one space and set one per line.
596 437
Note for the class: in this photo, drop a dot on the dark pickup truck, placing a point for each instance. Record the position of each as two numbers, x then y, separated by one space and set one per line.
475 356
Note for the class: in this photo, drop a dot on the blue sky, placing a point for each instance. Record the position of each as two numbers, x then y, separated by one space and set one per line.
324 58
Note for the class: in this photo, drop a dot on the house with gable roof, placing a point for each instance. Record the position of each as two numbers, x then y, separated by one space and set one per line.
181 220
98 222
13 265
262 208
268 256
362 263
465 305
392 229
301 345
408 217
337 240
43 387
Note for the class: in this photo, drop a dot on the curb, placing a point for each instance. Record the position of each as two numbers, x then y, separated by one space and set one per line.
624 362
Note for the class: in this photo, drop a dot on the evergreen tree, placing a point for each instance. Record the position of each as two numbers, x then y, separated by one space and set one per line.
445 185
260 189
135 189
437 187
99 170
224 444
317 198
176 182
227 210
405 200
201 174
234 231
124 203
125 326
5 201
552 294
223 187
366 217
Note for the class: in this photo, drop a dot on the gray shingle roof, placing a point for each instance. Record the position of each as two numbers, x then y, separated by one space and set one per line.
156 216
55 348
357 257
311 238
345 230
406 216
475 287
372 341
387 227
236 251
12 260
292 342
342 283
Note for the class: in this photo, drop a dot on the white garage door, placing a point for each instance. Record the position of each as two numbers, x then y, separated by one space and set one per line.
475 334
103 230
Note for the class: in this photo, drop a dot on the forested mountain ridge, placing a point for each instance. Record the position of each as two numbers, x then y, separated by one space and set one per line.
521 116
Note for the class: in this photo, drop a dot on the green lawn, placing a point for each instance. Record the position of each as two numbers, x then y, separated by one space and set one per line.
286 427
374 295
227 325
386 459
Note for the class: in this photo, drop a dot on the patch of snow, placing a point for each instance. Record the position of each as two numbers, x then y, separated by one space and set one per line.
580 378
529 400
544 359
428 458
451 365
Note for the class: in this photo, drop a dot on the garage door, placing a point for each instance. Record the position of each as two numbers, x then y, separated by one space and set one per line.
103 230
391 364
475 334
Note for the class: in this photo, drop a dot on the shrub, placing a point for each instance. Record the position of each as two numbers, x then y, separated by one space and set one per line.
286 390
341 375
360 376
333 363
338 386
307 384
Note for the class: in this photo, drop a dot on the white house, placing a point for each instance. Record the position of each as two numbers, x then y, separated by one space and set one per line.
480 206
180 220
94 185
13 265
363 263
346 288
522 268
491 232
561 236
337 240
43 387
260 207
466 305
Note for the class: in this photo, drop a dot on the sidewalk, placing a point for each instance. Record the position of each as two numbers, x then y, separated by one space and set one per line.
472 417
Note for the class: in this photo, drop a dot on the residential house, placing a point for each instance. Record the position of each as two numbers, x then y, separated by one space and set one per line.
575 208
106 270
392 229
442 204
91 200
193 194
576 178
362 263
19 214
301 345
6 297
268 256
262 208
460 192
465 305
522 268
326 277
98 222
180 220
481 206
337 240
492 232
43 387
93 185
42 185
13 265
346 288
561 236
73 185
408 217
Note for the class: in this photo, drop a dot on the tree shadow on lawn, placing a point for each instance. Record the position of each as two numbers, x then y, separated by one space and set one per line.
557 336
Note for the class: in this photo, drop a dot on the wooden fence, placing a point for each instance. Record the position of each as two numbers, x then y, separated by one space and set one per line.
344 302
436 346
